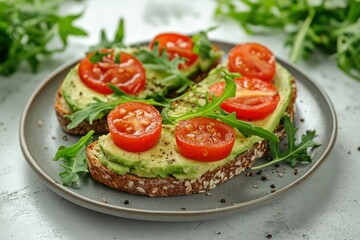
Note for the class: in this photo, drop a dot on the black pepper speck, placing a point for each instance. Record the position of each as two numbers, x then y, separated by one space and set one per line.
272 185
263 178
259 172
269 236
126 202
223 200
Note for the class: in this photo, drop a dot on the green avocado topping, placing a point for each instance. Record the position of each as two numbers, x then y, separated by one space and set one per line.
163 160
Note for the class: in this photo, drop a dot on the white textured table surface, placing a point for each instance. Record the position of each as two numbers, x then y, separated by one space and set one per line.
325 206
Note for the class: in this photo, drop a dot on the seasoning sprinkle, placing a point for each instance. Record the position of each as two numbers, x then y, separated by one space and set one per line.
223 200
126 202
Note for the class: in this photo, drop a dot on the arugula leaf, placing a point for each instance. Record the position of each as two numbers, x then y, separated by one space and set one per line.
26 29
295 153
106 43
309 25
212 109
98 109
66 28
98 56
159 61
73 160
203 46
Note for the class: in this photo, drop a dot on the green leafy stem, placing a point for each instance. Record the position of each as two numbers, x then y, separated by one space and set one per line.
74 160
295 153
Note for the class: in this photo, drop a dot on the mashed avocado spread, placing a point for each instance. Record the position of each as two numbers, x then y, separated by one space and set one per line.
163 160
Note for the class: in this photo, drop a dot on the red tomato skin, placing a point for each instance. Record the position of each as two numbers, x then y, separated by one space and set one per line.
129 73
252 60
129 141
176 44
252 108
204 151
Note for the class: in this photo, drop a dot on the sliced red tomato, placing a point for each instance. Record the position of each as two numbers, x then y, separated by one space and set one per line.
254 100
128 75
135 126
204 139
176 45
252 60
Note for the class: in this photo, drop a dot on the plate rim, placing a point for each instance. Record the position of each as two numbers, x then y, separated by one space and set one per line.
165 215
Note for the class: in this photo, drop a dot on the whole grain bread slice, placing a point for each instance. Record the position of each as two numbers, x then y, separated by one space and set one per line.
170 186
100 125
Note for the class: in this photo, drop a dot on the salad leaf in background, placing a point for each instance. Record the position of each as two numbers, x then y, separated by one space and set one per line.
330 26
27 27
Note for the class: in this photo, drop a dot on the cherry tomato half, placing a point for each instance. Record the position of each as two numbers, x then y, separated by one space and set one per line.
204 139
254 100
176 45
128 75
135 126
252 60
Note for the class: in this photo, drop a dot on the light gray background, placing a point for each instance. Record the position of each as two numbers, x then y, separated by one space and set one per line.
325 206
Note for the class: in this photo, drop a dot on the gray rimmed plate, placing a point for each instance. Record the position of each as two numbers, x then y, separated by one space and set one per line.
243 192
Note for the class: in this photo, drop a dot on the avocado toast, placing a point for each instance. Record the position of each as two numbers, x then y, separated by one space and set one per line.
78 91
162 171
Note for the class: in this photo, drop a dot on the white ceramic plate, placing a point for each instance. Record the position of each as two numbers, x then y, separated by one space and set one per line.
40 137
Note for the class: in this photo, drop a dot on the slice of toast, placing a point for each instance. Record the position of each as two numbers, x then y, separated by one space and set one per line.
99 126
170 186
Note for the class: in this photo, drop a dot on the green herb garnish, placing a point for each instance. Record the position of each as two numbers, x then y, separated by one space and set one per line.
212 109
295 153
117 56
26 29
74 160
99 109
329 26
202 45
159 61
105 43
98 56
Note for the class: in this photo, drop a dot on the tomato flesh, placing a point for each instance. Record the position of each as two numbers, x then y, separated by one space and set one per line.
176 45
135 126
252 60
204 139
254 100
128 75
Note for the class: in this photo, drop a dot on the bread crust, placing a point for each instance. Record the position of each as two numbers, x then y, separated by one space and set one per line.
62 109
170 186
